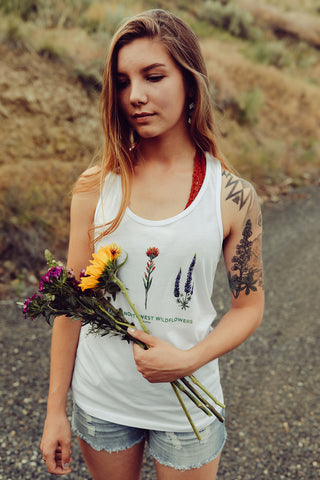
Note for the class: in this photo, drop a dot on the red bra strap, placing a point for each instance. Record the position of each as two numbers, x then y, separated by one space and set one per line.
199 172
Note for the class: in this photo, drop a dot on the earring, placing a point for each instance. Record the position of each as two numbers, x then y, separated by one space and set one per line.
190 110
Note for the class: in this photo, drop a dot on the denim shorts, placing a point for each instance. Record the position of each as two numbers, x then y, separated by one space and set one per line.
179 450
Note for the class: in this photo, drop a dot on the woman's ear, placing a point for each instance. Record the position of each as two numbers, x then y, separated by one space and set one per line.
190 94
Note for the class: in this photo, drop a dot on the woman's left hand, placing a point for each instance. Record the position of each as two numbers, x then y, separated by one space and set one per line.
162 362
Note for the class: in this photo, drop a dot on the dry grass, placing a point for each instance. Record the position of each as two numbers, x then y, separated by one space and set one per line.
33 213
267 95
308 6
284 138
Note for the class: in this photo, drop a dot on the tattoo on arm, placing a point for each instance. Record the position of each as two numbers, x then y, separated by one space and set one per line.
249 271
238 191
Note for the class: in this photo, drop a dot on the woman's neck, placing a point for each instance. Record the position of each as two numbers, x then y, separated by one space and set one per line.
168 154
162 179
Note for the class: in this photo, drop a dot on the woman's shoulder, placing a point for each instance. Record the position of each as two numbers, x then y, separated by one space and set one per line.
238 190
239 201
86 191
87 185
88 180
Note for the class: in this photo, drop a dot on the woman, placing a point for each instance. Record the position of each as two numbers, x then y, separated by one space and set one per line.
166 195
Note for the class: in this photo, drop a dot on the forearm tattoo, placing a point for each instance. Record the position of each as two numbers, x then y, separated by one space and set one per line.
246 264
238 190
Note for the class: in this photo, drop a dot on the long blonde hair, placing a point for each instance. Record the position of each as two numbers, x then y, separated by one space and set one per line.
183 46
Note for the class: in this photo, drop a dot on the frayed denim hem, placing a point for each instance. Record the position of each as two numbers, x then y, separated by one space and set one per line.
98 447
192 466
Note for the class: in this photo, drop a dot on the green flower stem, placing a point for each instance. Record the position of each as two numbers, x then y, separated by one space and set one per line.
202 400
123 289
176 391
196 382
193 398
108 314
141 344
122 325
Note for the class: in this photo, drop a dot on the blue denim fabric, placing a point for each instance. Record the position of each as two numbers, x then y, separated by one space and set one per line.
179 450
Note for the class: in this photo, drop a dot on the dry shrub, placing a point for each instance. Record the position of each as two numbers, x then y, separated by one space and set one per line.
51 51
230 17
295 24
47 13
76 44
15 33
273 53
104 16
248 106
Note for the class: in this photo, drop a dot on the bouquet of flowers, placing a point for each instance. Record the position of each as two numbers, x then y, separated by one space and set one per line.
90 300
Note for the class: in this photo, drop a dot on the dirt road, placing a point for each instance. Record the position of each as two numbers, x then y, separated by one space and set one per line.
271 382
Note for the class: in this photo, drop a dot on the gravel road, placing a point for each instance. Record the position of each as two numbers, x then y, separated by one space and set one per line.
271 382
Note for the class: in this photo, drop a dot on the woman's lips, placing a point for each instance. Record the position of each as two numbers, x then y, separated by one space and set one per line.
141 117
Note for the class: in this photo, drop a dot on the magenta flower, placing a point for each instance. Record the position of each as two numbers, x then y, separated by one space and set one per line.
50 276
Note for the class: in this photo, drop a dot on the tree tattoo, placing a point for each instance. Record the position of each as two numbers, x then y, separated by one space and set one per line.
248 277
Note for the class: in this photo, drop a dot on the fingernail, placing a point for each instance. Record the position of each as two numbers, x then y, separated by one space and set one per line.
131 330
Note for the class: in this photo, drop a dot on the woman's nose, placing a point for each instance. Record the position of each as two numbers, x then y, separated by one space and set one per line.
138 94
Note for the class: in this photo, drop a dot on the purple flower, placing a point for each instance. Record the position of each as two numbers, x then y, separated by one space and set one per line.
177 285
27 303
51 274
188 288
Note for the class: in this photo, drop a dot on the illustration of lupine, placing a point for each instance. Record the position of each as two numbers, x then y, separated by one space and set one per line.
152 253
184 298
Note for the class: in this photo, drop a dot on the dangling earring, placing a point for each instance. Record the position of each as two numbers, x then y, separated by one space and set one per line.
190 110
134 140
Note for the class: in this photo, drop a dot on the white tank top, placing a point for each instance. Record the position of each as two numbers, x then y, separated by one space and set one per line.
169 275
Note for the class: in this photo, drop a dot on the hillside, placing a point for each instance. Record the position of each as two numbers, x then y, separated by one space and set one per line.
265 83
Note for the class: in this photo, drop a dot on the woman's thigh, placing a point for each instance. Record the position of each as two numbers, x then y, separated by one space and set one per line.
180 455
124 464
206 472
111 451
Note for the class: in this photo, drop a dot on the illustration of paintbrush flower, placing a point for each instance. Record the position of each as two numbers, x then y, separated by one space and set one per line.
151 253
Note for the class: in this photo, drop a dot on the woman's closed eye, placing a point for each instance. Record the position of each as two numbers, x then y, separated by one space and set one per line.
122 83
155 78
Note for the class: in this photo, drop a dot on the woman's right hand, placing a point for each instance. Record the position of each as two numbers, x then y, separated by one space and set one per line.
55 444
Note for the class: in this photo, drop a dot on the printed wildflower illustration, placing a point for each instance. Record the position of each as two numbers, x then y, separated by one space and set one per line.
151 253
185 297
86 299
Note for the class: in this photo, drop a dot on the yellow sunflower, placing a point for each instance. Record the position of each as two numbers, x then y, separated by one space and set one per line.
115 250
100 261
